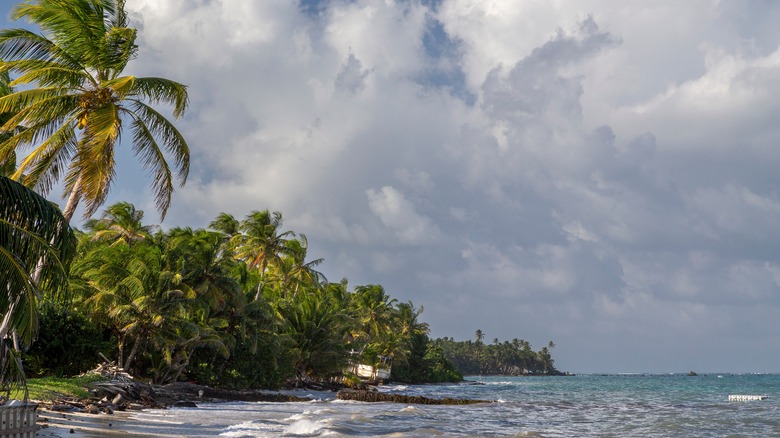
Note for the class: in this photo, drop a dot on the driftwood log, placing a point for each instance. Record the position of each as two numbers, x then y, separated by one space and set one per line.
121 387
375 396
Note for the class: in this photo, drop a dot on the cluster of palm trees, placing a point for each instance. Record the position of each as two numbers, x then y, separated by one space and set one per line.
177 301
501 358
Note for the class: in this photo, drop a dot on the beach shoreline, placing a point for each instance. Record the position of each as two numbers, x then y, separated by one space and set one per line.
93 418
82 425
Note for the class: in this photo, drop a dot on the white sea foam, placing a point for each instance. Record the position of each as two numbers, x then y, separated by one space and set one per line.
409 409
305 428
243 434
247 428
153 419
248 425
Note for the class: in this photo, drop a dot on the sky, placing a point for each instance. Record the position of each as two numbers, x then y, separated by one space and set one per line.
602 174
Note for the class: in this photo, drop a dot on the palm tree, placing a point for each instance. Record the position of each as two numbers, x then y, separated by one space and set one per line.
479 336
226 224
75 100
372 310
132 289
295 272
314 326
32 230
260 241
121 224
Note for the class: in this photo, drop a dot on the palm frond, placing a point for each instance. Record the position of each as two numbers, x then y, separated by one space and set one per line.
95 165
13 103
12 376
147 126
42 168
45 74
75 25
25 44
121 86
36 246
157 90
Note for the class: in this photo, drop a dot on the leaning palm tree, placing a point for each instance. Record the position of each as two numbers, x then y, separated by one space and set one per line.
36 246
74 100
122 224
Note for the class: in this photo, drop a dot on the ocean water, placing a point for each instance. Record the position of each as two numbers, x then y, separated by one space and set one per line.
631 405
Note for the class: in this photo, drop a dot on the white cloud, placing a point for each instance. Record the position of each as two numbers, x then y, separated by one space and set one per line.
398 214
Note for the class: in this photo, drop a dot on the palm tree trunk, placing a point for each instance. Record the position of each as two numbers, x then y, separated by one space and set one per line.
5 324
120 350
130 357
181 367
73 200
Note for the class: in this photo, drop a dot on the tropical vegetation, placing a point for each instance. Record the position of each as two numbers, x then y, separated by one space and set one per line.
236 304
197 305
36 247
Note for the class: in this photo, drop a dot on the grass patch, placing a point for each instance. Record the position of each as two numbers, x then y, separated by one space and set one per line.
52 388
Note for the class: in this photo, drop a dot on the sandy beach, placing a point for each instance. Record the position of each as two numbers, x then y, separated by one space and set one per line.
80 425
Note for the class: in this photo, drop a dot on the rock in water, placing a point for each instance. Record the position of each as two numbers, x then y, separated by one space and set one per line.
375 396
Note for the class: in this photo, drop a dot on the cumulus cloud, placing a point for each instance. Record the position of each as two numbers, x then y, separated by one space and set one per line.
398 214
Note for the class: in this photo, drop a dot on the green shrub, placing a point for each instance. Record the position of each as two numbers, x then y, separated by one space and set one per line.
68 344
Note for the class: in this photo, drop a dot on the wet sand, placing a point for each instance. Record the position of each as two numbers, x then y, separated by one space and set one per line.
60 424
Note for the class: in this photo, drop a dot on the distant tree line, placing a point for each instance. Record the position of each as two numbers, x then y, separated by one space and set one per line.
513 358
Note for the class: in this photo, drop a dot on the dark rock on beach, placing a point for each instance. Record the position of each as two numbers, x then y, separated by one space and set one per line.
185 404
375 396
181 391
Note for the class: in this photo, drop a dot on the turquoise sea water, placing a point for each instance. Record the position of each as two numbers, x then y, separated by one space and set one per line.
635 405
